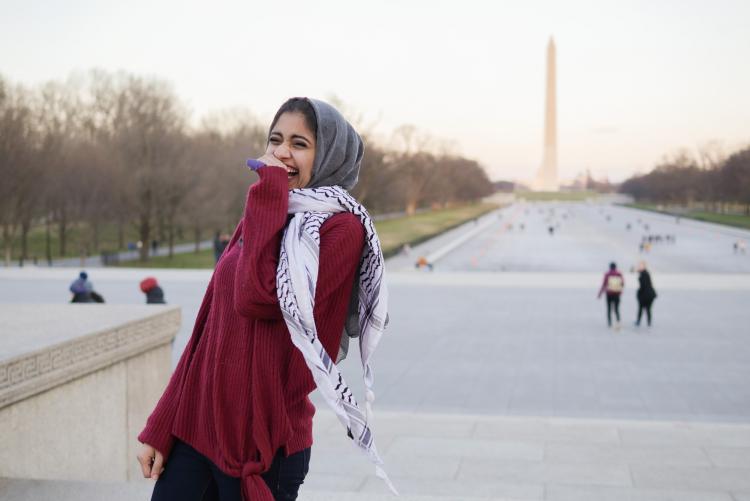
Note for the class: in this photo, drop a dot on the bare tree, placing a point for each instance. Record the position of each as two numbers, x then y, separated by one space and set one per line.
17 167
144 125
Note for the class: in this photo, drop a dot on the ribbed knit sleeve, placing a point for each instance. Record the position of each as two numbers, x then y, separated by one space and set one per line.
158 430
262 228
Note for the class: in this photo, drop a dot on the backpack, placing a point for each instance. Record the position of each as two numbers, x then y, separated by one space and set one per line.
614 284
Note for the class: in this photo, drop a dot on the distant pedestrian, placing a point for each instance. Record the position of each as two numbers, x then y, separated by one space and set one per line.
154 293
646 293
612 285
154 247
422 262
217 250
81 289
220 243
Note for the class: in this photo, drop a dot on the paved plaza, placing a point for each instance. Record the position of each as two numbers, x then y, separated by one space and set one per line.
498 378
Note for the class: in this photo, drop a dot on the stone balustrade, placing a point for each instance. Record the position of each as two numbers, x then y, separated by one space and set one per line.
77 382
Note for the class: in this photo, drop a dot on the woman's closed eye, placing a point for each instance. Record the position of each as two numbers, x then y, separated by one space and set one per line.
297 143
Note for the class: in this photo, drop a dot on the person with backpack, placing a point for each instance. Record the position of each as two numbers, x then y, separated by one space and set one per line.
612 285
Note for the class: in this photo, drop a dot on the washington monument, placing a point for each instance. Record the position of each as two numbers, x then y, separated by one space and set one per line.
546 178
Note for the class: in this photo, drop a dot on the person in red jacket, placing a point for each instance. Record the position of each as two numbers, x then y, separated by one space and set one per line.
235 420
612 285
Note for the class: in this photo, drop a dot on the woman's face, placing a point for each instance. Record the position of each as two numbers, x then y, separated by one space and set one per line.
292 142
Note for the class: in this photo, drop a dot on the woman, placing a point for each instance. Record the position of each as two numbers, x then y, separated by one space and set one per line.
236 417
645 295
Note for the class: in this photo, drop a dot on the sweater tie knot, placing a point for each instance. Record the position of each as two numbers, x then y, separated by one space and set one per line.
253 485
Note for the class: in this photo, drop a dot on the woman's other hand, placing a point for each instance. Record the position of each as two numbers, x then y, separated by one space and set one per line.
152 462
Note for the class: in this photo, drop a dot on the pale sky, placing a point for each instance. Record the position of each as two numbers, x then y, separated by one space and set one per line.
636 79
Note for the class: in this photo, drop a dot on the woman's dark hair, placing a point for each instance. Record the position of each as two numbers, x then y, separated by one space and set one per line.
298 105
612 266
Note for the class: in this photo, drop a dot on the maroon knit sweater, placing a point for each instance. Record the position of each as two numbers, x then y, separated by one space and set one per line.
240 390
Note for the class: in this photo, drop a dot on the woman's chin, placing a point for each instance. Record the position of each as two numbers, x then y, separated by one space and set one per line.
296 183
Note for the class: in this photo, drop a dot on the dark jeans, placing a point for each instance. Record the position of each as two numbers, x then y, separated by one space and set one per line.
613 303
190 476
644 305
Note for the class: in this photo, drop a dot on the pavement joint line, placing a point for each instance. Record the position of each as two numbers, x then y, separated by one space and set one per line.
567 280
684 424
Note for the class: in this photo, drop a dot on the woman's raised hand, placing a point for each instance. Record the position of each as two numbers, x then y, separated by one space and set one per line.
269 159
152 462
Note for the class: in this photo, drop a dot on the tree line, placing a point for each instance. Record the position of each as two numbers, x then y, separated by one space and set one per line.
716 182
119 150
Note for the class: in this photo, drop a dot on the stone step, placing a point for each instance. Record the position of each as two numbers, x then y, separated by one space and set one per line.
14 489
21 489
359 496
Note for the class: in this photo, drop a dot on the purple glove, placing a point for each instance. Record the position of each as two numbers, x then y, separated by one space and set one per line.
254 164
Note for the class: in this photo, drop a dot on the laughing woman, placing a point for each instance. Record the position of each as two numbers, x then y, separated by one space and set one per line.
303 267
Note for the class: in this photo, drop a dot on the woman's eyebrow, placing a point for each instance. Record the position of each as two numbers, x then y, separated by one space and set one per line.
297 136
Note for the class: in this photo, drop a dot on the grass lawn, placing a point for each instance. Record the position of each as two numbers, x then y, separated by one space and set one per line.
558 196
393 233
76 235
201 259
736 220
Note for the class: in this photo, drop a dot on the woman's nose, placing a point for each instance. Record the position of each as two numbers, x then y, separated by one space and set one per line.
281 151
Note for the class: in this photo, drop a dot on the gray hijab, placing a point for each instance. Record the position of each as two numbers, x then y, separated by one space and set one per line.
339 149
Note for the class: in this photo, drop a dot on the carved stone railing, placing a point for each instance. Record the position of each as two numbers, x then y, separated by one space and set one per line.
77 382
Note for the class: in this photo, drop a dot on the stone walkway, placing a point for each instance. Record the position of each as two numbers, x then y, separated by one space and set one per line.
460 457
498 378
445 457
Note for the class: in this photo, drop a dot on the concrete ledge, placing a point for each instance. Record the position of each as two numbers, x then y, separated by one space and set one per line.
57 490
60 349
77 383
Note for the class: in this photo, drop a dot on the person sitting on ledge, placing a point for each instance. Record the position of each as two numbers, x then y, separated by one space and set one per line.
154 293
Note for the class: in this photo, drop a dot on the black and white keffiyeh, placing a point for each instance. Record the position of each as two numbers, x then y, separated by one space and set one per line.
295 284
